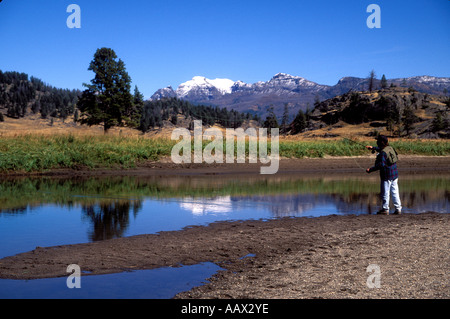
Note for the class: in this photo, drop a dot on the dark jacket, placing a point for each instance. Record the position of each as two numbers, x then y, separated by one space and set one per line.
386 163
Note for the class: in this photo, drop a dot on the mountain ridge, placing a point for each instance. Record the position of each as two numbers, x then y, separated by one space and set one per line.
295 91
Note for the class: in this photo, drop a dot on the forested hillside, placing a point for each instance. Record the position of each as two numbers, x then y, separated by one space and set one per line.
20 94
171 109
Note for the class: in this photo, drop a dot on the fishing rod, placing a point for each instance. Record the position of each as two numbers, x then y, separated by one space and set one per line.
355 142
360 144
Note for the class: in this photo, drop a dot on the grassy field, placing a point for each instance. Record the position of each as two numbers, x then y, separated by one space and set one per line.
34 153
345 147
42 152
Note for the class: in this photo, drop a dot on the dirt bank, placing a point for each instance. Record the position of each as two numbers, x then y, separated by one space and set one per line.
409 164
324 257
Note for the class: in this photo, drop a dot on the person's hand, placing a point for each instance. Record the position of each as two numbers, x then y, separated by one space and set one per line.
368 170
369 147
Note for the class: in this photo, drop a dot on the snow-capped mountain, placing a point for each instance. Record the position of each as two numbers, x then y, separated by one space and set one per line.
202 85
296 92
203 88
166 92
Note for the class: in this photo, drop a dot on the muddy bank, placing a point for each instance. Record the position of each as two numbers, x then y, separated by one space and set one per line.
329 165
323 257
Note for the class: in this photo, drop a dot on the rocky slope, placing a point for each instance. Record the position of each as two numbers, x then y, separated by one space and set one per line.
389 111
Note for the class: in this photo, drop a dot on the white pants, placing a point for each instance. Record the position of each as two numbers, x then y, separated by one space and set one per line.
390 187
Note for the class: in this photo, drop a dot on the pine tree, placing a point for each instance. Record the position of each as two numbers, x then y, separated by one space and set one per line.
174 119
372 78
138 107
300 122
439 123
271 120
408 119
285 119
107 100
316 101
383 82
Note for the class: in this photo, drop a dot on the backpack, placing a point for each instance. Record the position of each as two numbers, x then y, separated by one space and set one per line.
391 154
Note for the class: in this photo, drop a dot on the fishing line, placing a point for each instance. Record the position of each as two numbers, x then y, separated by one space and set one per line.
351 154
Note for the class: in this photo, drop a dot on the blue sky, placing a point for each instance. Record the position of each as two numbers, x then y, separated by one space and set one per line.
168 42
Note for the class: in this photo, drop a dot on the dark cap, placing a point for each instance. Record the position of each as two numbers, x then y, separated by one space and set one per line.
382 138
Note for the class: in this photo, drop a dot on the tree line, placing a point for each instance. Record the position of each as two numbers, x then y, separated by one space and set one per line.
20 94
170 109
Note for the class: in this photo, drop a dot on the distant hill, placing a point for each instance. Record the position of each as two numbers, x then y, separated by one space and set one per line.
394 111
21 94
297 92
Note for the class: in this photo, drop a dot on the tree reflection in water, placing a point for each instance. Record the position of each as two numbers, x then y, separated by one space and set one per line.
110 219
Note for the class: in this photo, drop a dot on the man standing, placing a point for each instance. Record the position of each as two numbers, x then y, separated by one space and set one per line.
386 163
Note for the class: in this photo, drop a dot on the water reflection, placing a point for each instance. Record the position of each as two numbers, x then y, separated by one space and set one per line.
52 211
302 204
204 206
110 219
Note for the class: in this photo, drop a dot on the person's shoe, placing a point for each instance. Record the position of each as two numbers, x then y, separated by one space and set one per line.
397 212
383 212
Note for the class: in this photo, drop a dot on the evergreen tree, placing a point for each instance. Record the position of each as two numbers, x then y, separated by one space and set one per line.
439 123
383 82
107 100
372 78
174 119
316 101
138 107
300 122
271 120
408 119
285 119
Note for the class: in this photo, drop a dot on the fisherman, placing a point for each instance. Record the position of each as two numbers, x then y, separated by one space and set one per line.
386 163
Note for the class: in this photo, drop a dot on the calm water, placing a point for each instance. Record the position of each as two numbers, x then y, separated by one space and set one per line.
48 211
161 283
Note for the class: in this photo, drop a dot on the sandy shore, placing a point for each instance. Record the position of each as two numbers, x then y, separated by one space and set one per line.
323 257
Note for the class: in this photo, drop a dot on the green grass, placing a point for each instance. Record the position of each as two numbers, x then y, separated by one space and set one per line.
31 153
321 148
35 153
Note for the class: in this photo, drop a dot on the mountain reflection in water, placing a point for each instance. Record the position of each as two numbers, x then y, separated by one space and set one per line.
104 208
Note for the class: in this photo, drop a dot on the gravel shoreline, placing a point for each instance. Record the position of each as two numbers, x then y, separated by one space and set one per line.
290 258
410 251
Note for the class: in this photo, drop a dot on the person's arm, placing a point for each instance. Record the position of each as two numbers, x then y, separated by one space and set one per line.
380 163
373 148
